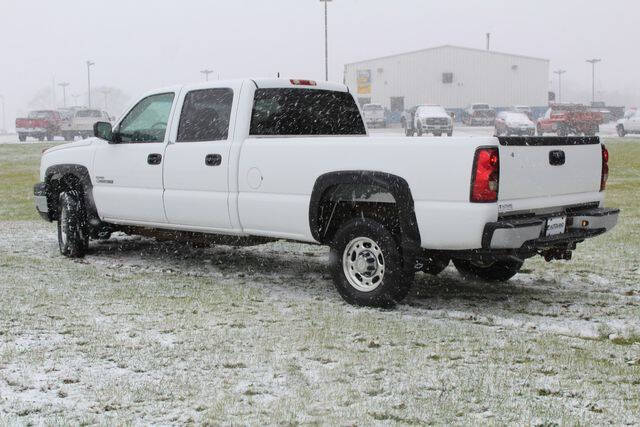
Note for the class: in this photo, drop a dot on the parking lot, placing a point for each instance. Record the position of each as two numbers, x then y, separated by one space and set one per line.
165 332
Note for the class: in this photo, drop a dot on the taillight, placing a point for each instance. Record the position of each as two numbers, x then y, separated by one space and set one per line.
605 168
485 176
299 82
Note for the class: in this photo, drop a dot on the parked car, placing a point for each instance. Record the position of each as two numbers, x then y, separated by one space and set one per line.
252 161
512 123
81 123
427 118
479 115
39 124
523 109
374 115
566 119
628 125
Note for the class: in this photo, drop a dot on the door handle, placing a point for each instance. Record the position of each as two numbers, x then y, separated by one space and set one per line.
213 160
154 158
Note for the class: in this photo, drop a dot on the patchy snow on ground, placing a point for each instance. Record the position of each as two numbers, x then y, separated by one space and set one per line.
147 332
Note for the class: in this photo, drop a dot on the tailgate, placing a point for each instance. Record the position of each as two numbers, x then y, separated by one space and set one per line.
548 166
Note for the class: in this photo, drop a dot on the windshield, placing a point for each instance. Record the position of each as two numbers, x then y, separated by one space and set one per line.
481 106
88 113
40 114
516 117
372 107
432 110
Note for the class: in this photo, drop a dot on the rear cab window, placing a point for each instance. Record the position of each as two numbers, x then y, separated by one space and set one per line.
300 112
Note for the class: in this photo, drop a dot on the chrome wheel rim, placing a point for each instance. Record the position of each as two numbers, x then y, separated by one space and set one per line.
363 264
63 227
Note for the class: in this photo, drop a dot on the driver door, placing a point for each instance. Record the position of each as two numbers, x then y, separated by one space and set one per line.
128 173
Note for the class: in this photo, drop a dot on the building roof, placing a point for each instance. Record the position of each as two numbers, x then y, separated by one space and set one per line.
447 46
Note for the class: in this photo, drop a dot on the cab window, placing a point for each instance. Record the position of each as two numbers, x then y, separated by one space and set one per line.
205 115
147 121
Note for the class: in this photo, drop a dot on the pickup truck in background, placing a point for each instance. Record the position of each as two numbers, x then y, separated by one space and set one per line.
244 162
567 119
374 115
629 124
513 123
479 115
80 123
425 119
39 124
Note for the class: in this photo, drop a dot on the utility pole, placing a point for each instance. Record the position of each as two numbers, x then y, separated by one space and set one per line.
64 85
89 64
593 63
488 40
4 124
326 41
106 93
206 74
560 73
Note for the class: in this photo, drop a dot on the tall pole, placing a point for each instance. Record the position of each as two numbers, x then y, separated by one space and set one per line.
206 74
105 92
89 64
593 63
64 85
326 41
488 40
560 73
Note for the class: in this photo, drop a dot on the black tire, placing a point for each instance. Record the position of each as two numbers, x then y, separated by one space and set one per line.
562 132
408 132
419 129
41 138
49 137
621 131
437 134
499 271
393 281
22 137
73 236
449 133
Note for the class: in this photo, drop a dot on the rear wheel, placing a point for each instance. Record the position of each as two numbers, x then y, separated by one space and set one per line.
621 131
366 265
449 133
498 271
73 236
437 134
22 137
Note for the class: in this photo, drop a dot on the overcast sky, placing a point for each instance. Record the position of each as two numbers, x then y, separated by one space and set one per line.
142 44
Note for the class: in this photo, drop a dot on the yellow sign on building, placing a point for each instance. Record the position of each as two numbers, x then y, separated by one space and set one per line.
364 82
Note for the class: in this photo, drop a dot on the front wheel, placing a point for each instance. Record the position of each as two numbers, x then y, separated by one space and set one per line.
366 265
499 271
73 238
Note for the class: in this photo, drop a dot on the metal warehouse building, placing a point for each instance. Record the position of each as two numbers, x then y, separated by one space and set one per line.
451 76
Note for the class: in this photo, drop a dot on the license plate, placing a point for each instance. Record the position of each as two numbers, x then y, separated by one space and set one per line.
556 225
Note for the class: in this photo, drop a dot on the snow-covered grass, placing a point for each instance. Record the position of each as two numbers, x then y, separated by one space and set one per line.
167 333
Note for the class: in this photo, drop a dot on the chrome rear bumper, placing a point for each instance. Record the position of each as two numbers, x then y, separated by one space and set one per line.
530 232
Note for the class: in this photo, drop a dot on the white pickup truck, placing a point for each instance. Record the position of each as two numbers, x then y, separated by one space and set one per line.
249 161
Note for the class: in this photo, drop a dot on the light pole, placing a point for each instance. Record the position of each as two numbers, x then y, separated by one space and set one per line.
206 74
105 92
64 85
326 41
4 124
593 63
560 73
89 64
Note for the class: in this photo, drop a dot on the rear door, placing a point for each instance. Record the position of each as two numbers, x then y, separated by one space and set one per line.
548 167
196 171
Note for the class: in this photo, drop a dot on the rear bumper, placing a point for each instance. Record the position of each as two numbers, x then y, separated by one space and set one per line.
40 198
529 233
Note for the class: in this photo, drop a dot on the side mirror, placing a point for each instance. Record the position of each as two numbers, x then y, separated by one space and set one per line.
103 130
